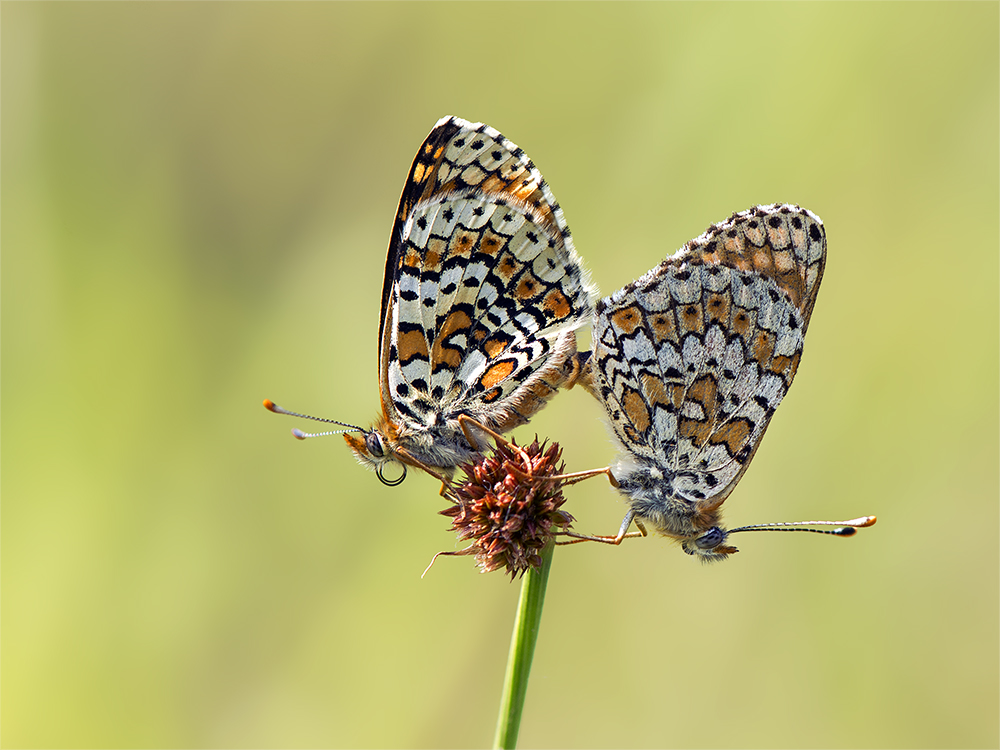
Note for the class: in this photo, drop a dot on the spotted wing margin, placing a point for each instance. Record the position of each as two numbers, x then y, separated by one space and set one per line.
458 155
485 303
693 358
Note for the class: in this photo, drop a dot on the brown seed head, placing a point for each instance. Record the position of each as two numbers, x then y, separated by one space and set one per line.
508 506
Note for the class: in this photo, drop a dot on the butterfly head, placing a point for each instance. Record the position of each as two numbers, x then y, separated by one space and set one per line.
709 545
373 450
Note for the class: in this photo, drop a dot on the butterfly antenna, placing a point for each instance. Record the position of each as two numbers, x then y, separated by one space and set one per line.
845 528
271 406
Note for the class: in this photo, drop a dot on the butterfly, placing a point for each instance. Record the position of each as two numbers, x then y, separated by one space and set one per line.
691 361
482 294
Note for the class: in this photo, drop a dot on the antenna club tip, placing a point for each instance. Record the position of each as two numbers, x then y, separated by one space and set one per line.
298 434
856 523
861 523
270 405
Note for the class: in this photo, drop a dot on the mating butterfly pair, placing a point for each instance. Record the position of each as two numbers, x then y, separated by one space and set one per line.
482 295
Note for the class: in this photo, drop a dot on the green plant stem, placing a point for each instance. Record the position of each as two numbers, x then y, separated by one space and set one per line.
522 649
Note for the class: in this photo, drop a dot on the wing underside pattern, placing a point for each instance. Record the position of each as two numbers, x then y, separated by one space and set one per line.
483 288
693 358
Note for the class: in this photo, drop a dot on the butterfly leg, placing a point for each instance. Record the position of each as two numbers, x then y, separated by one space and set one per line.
623 533
579 373
443 475
469 425
579 476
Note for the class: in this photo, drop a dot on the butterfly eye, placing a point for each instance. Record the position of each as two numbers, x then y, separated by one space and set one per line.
711 538
373 442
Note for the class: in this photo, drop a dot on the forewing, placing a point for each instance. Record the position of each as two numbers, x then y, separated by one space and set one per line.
482 282
694 357
456 155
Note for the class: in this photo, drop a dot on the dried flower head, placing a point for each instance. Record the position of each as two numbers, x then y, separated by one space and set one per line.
508 506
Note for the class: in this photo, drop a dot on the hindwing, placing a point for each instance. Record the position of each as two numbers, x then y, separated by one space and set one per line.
692 359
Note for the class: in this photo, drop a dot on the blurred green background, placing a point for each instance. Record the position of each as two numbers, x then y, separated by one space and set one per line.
196 205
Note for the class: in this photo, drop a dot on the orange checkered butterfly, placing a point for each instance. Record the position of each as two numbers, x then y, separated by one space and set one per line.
690 362
481 297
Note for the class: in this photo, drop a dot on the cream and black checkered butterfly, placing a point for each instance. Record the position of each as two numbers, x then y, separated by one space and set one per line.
481 297
691 361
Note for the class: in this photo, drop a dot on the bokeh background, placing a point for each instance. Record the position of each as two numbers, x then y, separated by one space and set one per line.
196 205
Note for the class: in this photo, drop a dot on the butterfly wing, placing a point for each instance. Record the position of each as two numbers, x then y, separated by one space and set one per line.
483 288
692 359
